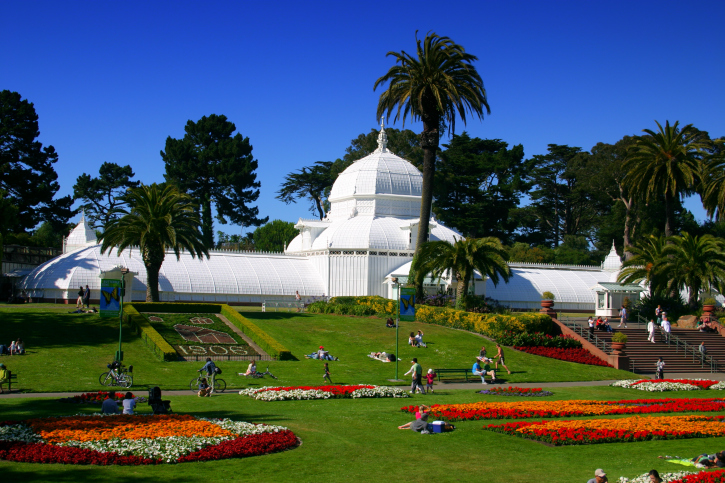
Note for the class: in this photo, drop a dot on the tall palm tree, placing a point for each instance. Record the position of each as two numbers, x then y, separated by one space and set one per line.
713 197
645 264
436 85
695 263
487 255
665 163
158 218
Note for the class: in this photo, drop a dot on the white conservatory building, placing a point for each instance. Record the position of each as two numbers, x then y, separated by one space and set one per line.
367 238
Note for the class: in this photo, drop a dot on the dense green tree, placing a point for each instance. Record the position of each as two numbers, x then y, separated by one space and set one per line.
27 176
694 263
559 200
274 236
104 194
487 255
665 163
524 253
310 182
401 142
645 264
215 166
235 242
156 219
478 183
436 85
713 182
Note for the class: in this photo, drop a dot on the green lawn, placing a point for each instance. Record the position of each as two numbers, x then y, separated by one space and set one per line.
67 352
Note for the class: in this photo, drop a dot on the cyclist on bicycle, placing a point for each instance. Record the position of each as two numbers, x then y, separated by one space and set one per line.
211 371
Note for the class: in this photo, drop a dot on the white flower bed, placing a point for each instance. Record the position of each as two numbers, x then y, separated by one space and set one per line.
267 393
666 477
19 432
718 386
654 386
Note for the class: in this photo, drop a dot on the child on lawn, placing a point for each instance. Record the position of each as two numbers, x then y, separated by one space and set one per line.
429 378
327 373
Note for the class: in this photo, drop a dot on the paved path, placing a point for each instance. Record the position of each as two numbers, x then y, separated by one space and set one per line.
439 386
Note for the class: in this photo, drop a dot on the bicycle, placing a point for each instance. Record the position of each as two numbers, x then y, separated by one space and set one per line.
259 375
117 376
219 385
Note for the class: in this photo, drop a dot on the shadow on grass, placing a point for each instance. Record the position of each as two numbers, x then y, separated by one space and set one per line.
82 473
48 330
276 315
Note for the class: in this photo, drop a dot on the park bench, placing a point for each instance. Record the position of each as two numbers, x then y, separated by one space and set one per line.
11 377
446 372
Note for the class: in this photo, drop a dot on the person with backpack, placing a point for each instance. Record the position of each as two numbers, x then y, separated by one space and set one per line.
211 371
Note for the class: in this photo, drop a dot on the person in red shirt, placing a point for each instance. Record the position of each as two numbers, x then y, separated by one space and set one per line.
429 378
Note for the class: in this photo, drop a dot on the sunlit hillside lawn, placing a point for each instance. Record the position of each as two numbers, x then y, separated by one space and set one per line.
68 352
358 440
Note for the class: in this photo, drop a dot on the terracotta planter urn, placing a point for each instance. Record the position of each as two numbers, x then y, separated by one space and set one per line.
546 308
617 347
708 309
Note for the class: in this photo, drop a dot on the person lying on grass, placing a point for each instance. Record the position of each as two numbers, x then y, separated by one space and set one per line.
716 460
382 356
322 354
421 420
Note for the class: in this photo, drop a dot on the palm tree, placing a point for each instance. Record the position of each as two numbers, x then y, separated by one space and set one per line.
665 163
487 255
435 86
695 263
645 264
714 187
158 218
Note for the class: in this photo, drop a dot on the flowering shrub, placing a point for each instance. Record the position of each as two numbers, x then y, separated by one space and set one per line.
491 325
516 391
321 392
555 409
661 385
98 397
580 355
538 339
136 440
621 430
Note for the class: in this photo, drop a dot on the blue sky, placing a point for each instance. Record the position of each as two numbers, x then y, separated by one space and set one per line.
111 80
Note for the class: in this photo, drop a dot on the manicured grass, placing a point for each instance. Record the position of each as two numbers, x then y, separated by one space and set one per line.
357 440
67 352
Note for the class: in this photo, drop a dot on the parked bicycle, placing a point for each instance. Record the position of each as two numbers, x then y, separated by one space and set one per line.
258 375
219 385
117 375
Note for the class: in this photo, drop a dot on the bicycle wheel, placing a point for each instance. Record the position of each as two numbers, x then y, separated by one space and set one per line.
272 375
125 380
220 385
194 385
106 379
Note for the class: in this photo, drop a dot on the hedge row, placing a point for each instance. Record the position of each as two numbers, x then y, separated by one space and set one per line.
260 337
321 307
177 307
492 325
149 335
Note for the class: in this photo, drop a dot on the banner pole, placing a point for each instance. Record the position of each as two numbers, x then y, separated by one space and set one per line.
397 328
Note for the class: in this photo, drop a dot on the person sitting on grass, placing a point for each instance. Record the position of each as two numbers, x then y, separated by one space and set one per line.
421 422
390 323
251 369
322 354
4 376
109 406
599 476
129 403
419 339
654 476
204 388
20 347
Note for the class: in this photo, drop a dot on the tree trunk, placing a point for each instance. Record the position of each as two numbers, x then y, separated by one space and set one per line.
429 139
627 227
318 203
152 260
207 224
669 217
461 290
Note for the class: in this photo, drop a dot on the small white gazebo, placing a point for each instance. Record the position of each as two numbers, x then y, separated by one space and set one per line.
611 295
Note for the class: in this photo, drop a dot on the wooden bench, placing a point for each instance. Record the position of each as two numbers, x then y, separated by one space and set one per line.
444 372
11 377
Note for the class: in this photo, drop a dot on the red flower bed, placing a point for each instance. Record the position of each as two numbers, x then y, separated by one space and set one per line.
555 409
579 355
336 390
703 477
513 390
700 383
95 397
253 445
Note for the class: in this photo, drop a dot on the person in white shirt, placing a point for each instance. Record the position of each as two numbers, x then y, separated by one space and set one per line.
419 339
623 317
129 403
667 328
591 325
651 329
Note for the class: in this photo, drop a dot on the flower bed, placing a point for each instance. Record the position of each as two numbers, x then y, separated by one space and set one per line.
661 385
622 430
516 391
675 477
581 407
98 397
538 339
578 355
717 476
137 439
269 393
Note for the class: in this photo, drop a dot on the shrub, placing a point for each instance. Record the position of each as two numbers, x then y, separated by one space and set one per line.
547 296
491 325
709 301
619 337
538 339
178 307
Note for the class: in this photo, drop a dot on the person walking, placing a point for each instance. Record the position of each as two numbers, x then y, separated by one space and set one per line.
416 371
327 373
660 366
667 328
87 297
658 314
622 317
298 300
79 301
499 358
703 350
591 326
651 327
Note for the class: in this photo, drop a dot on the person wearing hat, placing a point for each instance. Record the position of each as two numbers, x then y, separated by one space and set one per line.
417 372
599 476
4 376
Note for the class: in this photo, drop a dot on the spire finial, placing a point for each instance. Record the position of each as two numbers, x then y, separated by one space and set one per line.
382 139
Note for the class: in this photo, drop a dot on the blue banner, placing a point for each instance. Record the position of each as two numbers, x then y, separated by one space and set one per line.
110 297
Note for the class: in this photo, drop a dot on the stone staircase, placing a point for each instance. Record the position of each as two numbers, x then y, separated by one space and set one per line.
681 355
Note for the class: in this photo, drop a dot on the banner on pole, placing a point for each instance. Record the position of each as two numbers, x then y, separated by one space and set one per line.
407 303
110 297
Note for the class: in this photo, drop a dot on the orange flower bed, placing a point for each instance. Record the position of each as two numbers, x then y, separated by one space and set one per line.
89 428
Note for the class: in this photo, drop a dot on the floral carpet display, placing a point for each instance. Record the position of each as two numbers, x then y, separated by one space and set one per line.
661 385
635 428
269 393
676 477
580 355
516 391
574 407
137 439
99 397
